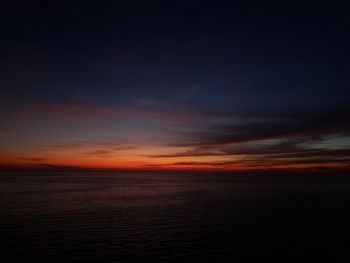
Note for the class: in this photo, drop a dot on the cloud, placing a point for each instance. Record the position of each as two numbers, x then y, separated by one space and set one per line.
261 139
283 138
106 152
299 126
111 144
33 159
58 111
99 152
207 163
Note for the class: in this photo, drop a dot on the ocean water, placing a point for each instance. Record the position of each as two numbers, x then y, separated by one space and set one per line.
166 217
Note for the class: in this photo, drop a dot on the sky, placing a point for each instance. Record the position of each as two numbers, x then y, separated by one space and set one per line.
174 85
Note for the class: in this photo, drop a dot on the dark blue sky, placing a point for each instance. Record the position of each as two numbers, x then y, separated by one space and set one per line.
266 78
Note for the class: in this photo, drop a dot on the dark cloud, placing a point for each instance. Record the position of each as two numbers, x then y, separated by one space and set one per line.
109 152
308 125
99 152
33 159
112 145
207 163
291 128
273 139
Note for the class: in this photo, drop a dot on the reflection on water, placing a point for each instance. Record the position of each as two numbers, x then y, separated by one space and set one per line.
64 217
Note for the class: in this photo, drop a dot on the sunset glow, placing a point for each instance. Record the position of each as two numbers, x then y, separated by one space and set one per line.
137 138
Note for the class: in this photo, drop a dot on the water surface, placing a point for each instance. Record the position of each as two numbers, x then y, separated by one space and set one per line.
147 217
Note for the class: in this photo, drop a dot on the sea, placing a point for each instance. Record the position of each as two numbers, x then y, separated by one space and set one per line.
65 216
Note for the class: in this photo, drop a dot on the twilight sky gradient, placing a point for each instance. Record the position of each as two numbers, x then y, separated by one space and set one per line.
174 85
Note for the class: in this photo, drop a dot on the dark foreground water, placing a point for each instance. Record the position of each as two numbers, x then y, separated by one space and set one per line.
91 217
